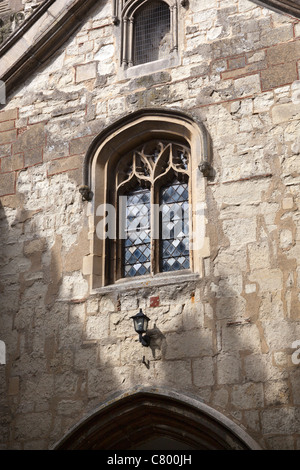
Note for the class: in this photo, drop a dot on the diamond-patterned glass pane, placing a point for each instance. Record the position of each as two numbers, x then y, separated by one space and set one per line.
174 244
136 248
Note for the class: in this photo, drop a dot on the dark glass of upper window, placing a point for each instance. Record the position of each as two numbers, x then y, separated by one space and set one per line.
152 35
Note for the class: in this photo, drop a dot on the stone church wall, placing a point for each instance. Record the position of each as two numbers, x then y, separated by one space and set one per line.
227 338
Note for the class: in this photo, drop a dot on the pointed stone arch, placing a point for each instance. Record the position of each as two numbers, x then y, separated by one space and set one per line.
100 163
131 420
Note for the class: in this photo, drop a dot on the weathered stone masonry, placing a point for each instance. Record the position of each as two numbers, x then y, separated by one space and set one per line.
226 338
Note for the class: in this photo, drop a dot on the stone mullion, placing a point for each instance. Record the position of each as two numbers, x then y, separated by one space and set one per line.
125 41
154 219
130 42
173 26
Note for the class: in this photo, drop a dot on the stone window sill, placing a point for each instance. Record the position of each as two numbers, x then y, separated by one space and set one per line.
158 280
150 67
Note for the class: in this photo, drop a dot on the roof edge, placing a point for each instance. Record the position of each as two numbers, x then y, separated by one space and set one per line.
18 57
291 7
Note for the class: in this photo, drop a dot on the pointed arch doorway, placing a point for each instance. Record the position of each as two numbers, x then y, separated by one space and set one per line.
153 419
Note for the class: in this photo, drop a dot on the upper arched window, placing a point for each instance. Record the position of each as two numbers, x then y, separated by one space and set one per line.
149 30
152 36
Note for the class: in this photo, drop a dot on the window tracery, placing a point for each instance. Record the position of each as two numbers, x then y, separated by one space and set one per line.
147 154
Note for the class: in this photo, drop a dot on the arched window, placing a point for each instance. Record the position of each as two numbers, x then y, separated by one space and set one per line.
152 36
147 189
149 30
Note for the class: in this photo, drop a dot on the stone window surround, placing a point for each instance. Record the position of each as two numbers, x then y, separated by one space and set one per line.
102 156
123 18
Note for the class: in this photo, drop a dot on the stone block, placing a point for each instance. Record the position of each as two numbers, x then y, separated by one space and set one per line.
281 335
277 393
12 163
295 382
129 302
192 315
86 72
8 136
248 85
114 352
73 287
86 356
268 279
66 384
281 443
236 63
259 255
231 261
107 305
14 386
69 407
64 164
287 203
228 369
231 308
92 305
220 397
32 138
34 246
280 420
5 150
285 112
283 53
187 344
16 5
33 157
8 114
176 374
278 75
7 184
247 396
252 420
7 125
97 326
240 230
239 337
203 372
80 145
260 368
35 425
263 102
281 34
101 381
77 313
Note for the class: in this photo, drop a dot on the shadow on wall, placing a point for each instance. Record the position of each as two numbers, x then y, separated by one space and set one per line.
5 414
253 370
67 353
53 372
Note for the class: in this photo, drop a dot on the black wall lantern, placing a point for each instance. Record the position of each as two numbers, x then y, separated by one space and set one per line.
140 321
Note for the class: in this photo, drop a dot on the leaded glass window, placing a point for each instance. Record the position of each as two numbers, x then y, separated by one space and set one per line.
174 244
149 30
154 180
152 37
137 248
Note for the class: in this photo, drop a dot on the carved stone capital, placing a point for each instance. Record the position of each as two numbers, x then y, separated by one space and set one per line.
205 168
85 193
